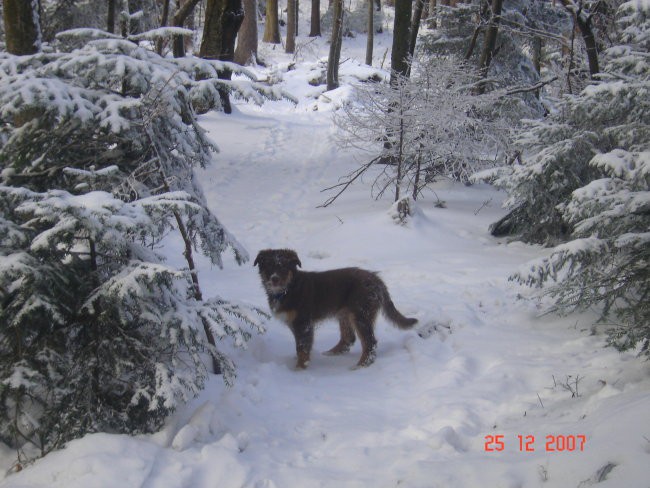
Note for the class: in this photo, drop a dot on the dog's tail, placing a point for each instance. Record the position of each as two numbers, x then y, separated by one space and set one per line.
394 315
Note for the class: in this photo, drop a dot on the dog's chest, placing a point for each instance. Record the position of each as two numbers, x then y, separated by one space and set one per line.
283 314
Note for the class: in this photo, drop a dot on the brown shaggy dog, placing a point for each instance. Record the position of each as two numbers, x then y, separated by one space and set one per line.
300 299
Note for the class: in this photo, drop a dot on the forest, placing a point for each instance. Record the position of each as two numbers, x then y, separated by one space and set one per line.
491 158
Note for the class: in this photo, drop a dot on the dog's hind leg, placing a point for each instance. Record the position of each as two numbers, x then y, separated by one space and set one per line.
364 325
347 335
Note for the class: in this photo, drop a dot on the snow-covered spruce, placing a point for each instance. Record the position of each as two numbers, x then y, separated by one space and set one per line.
97 150
587 182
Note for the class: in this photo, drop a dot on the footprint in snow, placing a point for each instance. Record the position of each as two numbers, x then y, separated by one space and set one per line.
441 329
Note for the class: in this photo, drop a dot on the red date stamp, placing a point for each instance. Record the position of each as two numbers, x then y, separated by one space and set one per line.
527 443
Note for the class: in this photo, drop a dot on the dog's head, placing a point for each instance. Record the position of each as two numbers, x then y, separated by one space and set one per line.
277 268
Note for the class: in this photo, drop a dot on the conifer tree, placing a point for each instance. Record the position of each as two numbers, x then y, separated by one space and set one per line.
586 186
98 150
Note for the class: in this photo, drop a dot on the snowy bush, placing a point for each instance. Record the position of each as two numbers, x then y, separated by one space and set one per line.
424 127
587 181
98 147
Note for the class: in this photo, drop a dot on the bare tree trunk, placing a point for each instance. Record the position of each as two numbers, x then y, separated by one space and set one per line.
110 18
164 21
583 21
415 27
246 51
315 19
222 21
22 28
432 13
231 21
272 24
189 258
180 17
477 31
371 33
584 25
490 42
399 59
291 26
335 47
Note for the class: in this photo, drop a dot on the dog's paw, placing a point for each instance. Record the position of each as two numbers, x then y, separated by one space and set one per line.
430 328
301 366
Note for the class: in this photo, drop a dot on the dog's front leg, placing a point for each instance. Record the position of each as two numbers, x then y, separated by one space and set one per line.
303 332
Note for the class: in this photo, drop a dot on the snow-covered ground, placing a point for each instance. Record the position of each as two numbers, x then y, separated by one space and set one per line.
500 395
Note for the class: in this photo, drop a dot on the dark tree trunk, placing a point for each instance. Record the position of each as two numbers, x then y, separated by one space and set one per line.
315 19
180 17
584 25
222 21
399 59
583 21
370 43
22 30
272 24
335 47
231 22
164 21
246 51
415 26
490 42
110 20
290 46
432 13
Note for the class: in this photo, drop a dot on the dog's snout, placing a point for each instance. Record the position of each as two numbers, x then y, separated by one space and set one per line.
275 279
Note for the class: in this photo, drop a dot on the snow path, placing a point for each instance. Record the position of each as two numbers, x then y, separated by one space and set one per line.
420 415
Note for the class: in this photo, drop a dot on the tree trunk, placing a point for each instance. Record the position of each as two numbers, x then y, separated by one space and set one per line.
136 24
490 42
335 47
231 21
164 21
180 17
399 59
291 27
371 32
222 21
246 51
22 28
584 25
189 258
583 21
315 18
272 24
110 20
415 27
432 22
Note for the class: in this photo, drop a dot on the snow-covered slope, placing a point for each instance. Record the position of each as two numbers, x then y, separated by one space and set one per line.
456 409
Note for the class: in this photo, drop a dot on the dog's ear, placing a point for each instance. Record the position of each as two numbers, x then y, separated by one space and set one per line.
258 258
293 259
